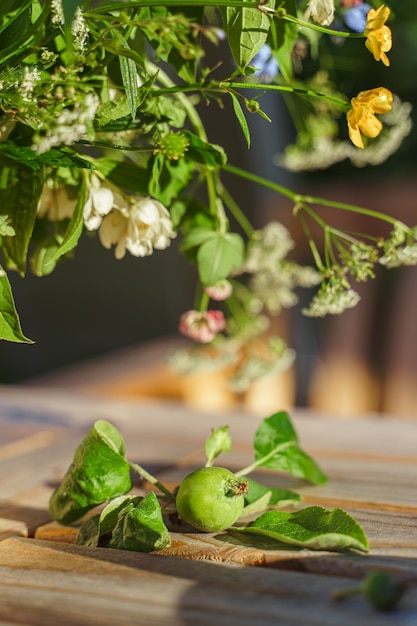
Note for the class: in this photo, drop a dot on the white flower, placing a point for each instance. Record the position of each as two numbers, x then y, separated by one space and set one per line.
144 226
31 78
69 126
101 200
322 11
55 203
79 30
57 12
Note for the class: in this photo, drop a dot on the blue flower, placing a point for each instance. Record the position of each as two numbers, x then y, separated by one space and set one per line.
355 19
265 64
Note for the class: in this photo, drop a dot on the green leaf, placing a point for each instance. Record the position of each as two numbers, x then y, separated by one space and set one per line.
219 441
218 256
20 189
99 471
10 328
314 527
241 117
196 236
94 529
283 35
276 447
260 498
125 175
202 152
129 78
74 229
141 528
247 31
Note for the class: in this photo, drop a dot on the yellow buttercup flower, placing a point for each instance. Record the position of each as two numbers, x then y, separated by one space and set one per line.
378 35
361 118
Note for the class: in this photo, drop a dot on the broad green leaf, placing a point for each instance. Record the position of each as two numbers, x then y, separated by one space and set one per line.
219 441
75 226
202 152
141 528
125 175
261 498
99 471
56 157
247 31
218 256
16 23
241 118
276 447
10 328
314 527
94 529
20 189
197 236
283 35
129 78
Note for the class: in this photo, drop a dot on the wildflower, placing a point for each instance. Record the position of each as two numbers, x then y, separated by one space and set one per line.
322 11
140 227
55 203
101 200
267 247
202 326
356 17
362 119
221 290
378 35
332 298
69 125
57 12
79 30
31 78
265 64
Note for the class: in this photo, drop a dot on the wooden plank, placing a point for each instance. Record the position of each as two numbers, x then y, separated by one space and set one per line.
45 583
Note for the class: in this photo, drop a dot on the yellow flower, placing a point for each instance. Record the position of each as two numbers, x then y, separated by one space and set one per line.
378 35
361 118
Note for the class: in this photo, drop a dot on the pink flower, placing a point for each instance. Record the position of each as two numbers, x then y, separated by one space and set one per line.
202 326
220 290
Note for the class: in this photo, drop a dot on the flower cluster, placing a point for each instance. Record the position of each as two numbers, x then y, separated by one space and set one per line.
102 133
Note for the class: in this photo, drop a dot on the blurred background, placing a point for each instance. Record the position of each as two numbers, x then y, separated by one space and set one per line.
107 325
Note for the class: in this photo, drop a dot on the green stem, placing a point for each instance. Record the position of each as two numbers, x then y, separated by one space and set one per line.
259 180
237 213
250 468
356 209
151 479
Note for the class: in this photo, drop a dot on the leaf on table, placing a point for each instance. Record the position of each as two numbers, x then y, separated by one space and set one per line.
260 498
99 472
314 527
141 527
276 447
218 442
92 531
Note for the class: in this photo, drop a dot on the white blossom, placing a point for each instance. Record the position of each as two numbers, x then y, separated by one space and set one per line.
79 30
69 126
331 300
57 12
55 203
101 200
31 78
145 225
322 11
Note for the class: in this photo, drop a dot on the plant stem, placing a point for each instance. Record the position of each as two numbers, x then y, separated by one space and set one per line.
249 468
151 479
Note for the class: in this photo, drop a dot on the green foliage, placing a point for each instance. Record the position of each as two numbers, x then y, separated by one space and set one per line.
210 498
313 527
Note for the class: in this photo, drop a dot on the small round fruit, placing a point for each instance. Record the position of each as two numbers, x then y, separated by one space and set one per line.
211 498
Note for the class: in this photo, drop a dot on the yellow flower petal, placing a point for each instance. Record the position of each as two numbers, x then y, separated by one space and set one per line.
361 118
378 35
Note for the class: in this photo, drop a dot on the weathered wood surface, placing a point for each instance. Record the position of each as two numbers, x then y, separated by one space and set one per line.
372 469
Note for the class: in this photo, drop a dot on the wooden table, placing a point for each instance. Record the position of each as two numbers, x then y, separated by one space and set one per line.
201 580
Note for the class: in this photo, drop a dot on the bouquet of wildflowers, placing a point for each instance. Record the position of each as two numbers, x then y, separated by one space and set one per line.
102 132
